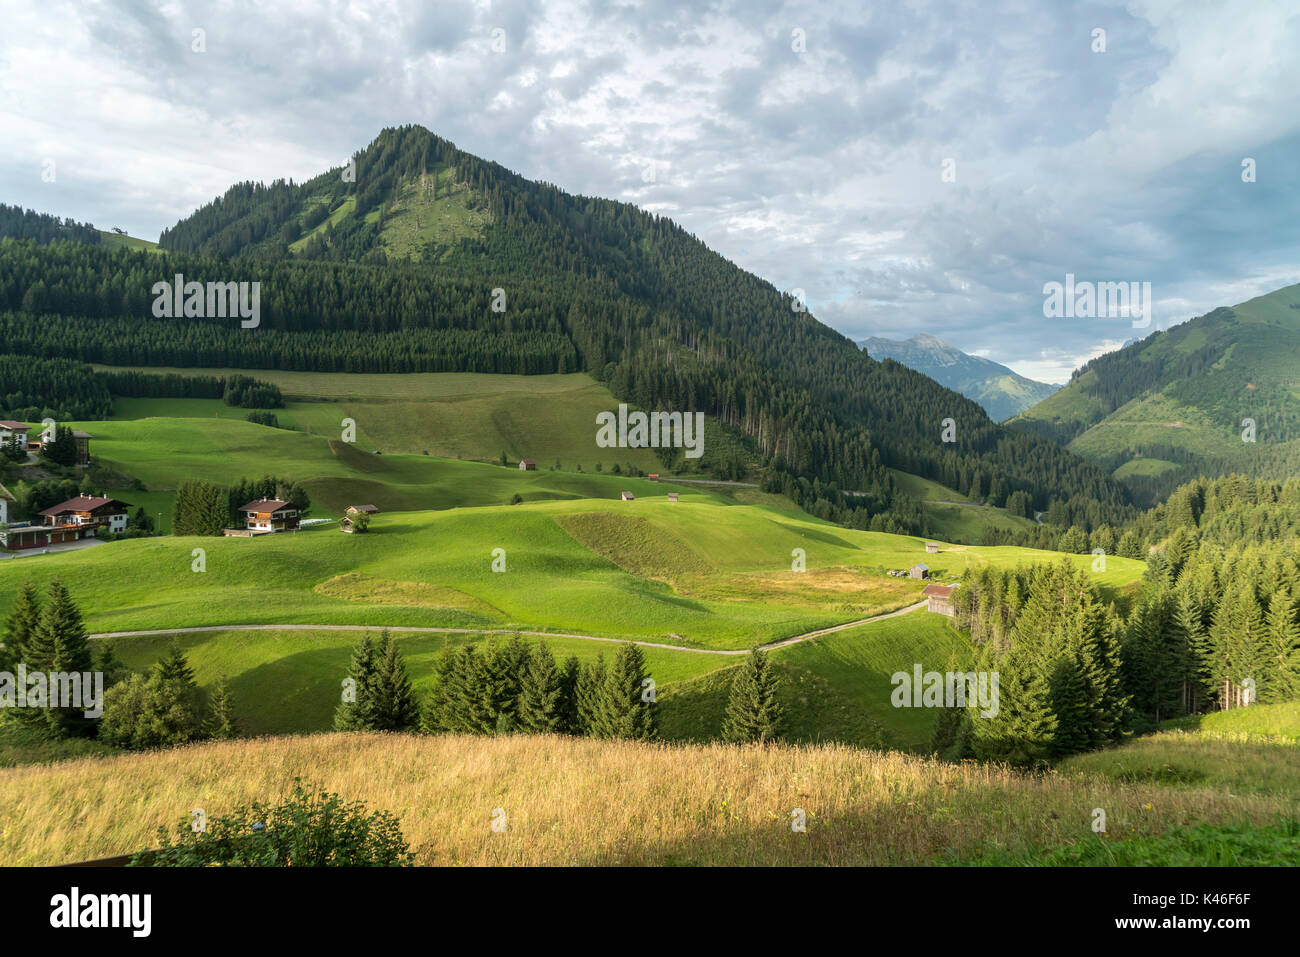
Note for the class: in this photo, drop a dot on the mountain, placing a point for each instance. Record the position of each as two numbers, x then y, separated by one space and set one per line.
1000 391
417 256
1162 410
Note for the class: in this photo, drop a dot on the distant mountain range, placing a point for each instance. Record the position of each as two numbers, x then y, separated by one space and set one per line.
1000 391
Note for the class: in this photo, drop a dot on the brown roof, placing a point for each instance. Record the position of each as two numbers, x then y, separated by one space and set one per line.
264 505
939 591
82 503
368 509
11 424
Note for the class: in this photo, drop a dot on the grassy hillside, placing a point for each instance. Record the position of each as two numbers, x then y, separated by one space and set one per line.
1159 410
581 801
1253 750
835 687
954 517
701 571
163 452
472 416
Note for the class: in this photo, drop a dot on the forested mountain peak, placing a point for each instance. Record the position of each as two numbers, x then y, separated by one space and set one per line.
432 259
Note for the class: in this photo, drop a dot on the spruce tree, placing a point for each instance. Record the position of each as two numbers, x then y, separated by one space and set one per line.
588 690
176 666
753 713
221 714
393 706
571 723
622 710
355 715
20 627
541 692
1283 669
61 629
109 665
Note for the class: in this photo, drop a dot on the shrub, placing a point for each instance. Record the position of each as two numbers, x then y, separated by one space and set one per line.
312 828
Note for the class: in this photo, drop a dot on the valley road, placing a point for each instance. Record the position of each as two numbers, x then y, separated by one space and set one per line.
779 643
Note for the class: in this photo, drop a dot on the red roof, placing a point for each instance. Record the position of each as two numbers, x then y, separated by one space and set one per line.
83 503
264 505
939 591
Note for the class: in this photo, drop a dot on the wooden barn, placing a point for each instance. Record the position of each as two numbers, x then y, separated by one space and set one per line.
919 570
939 598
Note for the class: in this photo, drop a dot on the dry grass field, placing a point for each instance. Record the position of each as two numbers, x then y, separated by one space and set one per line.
578 801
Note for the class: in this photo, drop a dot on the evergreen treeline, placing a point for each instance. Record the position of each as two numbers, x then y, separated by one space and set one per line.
590 285
19 223
1216 627
506 688
236 390
1056 649
33 389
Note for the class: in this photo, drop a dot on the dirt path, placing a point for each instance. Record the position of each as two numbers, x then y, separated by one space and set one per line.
779 643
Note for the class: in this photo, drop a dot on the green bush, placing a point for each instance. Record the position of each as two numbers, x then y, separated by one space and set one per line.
312 828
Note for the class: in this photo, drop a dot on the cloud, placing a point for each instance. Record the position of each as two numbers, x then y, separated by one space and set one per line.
804 141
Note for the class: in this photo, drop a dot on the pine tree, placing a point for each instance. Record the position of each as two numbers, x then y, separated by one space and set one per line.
355 715
1283 669
541 692
61 628
221 717
623 710
392 706
110 666
20 626
571 723
36 648
588 690
1023 731
176 666
753 713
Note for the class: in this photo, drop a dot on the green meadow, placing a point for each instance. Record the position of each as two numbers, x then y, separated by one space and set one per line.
472 416
835 688
699 572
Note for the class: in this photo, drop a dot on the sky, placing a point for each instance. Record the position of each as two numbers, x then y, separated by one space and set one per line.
905 167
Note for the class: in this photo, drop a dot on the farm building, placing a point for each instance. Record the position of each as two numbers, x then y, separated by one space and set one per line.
672 496
527 465
267 516
83 446
357 518
88 512
653 476
919 570
628 496
931 548
939 598
26 535
9 428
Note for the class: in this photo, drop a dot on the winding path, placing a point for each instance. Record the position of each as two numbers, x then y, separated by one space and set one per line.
779 643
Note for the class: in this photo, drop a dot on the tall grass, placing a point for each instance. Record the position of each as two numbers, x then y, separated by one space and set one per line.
578 801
